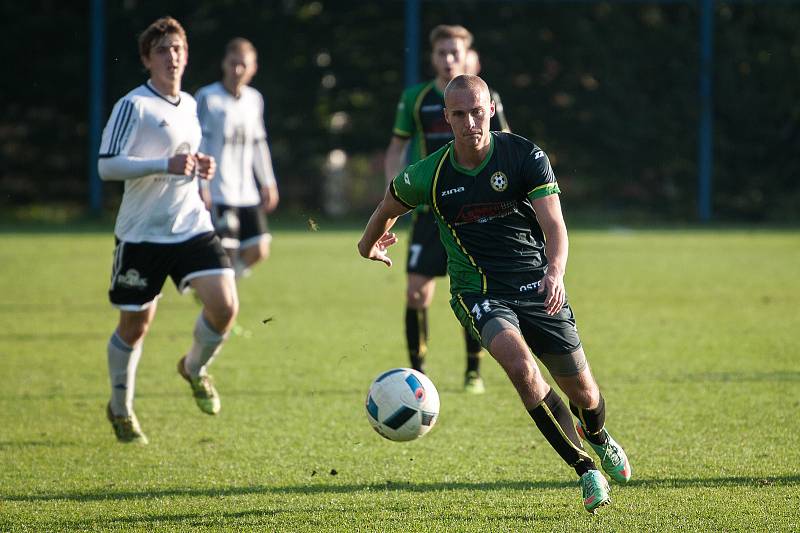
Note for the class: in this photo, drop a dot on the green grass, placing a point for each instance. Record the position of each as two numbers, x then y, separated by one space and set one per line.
693 336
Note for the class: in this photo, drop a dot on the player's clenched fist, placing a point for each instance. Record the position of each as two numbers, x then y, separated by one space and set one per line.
181 164
206 166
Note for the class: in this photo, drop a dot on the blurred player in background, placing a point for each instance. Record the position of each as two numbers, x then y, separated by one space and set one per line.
419 130
232 117
163 229
495 198
473 67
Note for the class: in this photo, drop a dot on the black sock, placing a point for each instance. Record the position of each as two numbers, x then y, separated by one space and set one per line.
474 353
592 420
554 421
417 336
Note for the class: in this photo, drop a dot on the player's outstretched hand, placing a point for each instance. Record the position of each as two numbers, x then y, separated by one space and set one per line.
206 166
181 164
378 250
552 286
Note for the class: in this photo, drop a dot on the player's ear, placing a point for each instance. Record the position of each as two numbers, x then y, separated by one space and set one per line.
446 118
491 108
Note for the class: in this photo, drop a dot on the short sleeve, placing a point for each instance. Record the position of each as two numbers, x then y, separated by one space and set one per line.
403 190
412 187
403 118
120 130
539 177
498 121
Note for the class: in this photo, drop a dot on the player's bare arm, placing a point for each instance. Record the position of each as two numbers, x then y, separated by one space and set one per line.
551 220
393 163
377 238
269 198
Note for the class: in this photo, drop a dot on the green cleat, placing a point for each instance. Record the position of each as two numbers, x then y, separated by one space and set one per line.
612 457
595 490
473 383
205 395
126 428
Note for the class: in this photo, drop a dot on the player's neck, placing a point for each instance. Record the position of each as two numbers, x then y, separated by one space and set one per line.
233 88
470 156
170 90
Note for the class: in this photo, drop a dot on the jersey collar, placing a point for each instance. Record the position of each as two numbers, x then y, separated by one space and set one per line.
477 170
153 90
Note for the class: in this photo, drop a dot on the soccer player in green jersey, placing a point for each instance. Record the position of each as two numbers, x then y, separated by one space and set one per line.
495 199
419 130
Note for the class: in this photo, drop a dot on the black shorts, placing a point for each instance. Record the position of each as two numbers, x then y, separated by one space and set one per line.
239 227
426 253
545 334
140 268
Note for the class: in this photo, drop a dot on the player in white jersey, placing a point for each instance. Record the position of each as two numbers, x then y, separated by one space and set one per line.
163 229
231 114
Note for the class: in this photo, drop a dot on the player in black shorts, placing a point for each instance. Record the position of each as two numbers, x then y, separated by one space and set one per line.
244 191
419 130
495 199
163 229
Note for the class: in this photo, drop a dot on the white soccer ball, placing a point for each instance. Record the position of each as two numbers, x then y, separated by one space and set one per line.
402 404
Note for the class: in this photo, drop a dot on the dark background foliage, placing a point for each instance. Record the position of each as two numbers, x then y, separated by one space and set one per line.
609 89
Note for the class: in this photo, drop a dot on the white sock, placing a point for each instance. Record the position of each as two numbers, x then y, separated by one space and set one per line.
122 362
241 269
206 345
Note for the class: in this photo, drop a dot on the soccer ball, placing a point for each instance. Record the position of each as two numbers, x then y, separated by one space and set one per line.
402 404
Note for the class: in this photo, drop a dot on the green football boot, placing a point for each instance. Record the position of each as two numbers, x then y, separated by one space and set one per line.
612 457
473 383
205 395
595 490
126 428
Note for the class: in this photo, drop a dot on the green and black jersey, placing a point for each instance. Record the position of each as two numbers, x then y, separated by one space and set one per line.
486 220
420 118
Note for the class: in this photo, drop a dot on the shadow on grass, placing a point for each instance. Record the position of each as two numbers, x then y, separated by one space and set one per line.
739 377
36 444
393 486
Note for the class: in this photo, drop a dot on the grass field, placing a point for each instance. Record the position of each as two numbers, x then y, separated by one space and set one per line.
693 336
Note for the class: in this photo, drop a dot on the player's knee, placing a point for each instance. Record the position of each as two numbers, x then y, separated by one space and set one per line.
223 313
263 250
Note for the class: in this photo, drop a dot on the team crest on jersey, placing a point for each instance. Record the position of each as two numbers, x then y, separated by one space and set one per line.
132 279
498 181
183 148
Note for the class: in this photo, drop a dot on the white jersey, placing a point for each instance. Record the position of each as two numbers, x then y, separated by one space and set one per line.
145 127
234 133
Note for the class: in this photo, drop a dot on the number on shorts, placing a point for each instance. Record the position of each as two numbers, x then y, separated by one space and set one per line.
413 254
476 309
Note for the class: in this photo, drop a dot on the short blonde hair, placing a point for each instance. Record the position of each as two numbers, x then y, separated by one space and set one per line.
240 44
156 31
445 31
467 82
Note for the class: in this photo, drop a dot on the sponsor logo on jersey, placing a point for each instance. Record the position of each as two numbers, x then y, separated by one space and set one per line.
183 148
530 286
482 213
132 279
498 181
406 178
448 192
538 155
